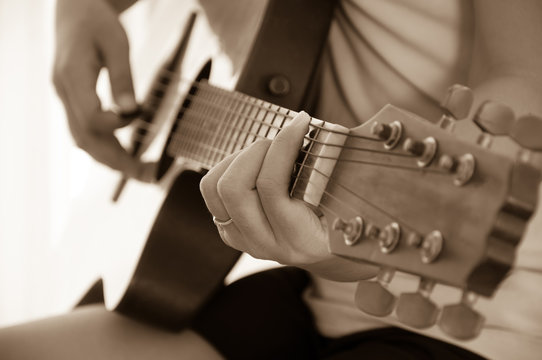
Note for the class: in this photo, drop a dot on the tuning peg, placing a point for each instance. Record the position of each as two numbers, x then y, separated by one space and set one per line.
373 297
415 309
461 321
458 101
494 118
527 132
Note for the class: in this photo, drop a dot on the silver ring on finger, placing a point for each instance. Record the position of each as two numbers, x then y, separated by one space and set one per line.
221 223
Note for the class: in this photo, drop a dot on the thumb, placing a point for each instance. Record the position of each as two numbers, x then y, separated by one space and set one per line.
115 49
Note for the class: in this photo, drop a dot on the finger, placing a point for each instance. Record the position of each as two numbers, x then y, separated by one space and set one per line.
276 172
236 188
294 224
208 188
79 84
114 46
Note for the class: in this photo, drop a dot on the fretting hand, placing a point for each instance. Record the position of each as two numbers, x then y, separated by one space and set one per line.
248 195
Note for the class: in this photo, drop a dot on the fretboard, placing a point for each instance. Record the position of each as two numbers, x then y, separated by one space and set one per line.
217 123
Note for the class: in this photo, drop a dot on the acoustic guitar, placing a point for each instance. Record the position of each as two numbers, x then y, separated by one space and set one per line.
443 200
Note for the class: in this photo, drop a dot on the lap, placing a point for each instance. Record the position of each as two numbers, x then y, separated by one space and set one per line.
92 332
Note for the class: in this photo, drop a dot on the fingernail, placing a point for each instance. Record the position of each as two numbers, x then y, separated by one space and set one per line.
301 119
126 103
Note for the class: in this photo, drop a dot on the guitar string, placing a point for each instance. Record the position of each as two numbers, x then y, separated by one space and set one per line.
393 166
257 135
346 203
265 105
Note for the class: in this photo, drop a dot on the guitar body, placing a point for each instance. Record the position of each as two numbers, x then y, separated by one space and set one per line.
183 262
166 274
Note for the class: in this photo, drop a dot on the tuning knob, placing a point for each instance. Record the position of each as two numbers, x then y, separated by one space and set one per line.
461 321
494 118
458 101
527 132
415 309
373 297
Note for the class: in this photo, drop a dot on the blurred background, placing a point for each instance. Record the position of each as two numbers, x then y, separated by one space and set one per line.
41 172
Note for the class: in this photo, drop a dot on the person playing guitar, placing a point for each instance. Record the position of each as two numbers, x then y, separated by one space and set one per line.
405 53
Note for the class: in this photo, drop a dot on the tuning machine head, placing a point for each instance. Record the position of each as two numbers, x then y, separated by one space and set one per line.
456 105
494 118
416 309
373 297
461 321
527 132
458 101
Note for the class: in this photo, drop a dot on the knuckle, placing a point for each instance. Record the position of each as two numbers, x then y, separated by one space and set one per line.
207 186
227 189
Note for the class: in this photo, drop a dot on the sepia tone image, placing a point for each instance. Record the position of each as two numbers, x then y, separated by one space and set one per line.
270 179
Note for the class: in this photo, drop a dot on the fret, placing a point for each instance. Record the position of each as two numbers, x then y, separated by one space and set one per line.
255 123
260 119
229 131
238 145
220 136
210 120
208 132
235 128
185 131
218 122
270 120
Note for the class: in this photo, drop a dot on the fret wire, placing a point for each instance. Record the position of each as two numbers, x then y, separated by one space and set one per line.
264 114
236 145
223 130
187 132
266 120
194 133
235 126
190 132
213 124
195 105
214 149
231 127
215 120
220 134
250 100
252 120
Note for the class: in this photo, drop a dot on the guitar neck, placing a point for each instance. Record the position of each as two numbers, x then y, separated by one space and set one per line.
216 123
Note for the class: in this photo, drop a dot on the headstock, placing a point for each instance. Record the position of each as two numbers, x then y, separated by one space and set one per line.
431 200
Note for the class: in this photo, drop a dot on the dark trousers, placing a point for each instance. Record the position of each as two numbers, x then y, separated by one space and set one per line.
263 316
